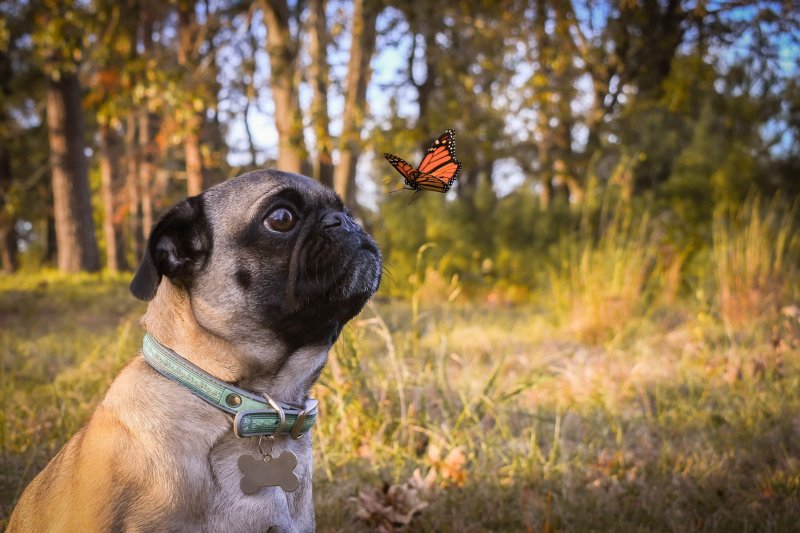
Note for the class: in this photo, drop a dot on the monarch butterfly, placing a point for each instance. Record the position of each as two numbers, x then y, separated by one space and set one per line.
439 167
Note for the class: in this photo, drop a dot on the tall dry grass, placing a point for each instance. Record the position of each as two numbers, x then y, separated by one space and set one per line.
605 278
756 260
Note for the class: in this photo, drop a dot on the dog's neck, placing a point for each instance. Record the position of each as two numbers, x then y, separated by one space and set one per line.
259 368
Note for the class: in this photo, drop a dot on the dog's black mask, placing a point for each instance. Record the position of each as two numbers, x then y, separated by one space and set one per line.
268 250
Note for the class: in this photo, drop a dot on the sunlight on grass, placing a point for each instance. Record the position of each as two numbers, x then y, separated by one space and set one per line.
585 410
601 284
756 256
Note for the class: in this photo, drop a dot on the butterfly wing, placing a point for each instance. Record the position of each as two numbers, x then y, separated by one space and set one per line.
405 168
439 168
429 182
440 162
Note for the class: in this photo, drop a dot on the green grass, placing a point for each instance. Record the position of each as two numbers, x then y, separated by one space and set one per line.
62 341
678 424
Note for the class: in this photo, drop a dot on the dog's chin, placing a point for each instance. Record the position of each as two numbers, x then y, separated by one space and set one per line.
329 291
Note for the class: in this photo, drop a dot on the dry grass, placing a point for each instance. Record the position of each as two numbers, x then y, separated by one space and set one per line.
755 260
605 280
677 430
600 406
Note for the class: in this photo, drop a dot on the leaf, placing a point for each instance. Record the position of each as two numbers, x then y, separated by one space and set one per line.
451 469
393 507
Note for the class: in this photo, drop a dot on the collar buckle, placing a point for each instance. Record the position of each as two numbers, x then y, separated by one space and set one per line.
297 427
280 411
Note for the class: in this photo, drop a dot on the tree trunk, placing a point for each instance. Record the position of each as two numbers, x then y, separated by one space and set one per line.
546 192
194 157
134 228
146 170
317 45
8 234
282 50
365 12
77 247
148 129
542 55
188 58
110 178
9 249
51 250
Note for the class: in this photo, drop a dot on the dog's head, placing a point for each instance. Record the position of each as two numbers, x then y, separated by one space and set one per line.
266 255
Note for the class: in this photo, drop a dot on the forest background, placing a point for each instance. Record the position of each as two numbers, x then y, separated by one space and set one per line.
598 327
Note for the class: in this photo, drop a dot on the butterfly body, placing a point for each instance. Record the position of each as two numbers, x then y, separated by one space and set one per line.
438 169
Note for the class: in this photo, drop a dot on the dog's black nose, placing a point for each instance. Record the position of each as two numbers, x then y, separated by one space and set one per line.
336 220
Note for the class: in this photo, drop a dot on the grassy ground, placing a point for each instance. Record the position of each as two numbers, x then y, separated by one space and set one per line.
477 418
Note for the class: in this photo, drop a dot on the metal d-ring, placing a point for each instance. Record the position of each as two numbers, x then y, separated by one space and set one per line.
266 456
298 424
309 405
279 409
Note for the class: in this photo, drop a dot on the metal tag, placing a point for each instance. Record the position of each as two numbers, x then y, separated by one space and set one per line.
268 472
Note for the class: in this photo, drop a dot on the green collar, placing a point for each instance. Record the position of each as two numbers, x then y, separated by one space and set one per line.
254 416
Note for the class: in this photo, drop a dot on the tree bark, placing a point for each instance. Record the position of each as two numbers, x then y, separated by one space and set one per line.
282 50
148 127
146 170
322 168
188 59
110 178
9 249
194 157
134 227
77 247
8 234
365 13
51 248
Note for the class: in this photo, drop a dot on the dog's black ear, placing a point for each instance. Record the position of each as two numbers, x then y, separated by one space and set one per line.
177 248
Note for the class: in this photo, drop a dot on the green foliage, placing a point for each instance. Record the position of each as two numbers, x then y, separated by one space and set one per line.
59 37
504 240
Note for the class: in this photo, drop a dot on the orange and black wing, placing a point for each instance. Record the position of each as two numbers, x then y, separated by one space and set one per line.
429 182
440 164
405 168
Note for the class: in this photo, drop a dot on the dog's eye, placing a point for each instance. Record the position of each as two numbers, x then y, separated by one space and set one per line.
280 220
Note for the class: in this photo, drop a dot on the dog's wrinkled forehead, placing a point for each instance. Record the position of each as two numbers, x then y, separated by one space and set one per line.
246 193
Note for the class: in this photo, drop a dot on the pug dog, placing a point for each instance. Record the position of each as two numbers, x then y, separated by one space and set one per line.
250 283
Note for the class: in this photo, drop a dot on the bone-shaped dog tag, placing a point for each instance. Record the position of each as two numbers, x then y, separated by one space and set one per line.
275 472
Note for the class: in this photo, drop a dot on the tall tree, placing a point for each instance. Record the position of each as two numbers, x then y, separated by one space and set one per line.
114 61
362 45
8 219
188 51
8 234
553 95
197 93
133 190
25 191
322 167
77 246
110 179
60 45
283 47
